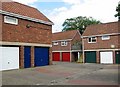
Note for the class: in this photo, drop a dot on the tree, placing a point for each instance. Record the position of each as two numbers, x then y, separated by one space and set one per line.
118 11
78 23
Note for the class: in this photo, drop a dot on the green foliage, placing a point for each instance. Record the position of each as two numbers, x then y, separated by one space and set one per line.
78 23
118 12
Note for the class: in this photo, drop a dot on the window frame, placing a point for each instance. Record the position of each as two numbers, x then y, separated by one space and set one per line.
92 39
6 20
103 37
64 42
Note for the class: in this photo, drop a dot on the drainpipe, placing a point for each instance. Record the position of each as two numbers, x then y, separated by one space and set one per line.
70 51
78 55
83 50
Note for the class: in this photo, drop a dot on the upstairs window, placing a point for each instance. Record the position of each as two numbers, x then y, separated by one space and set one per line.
92 40
10 20
64 43
55 43
105 37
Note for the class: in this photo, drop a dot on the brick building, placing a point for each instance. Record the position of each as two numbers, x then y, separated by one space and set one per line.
26 37
66 46
101 43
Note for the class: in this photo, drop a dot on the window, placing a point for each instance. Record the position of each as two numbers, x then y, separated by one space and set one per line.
64 43
55 43
105 37
92 40
10 20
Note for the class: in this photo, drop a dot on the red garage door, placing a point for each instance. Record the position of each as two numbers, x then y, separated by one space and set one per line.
56 56
66 57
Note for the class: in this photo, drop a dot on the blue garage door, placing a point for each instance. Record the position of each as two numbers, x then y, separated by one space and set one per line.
41 56
27 57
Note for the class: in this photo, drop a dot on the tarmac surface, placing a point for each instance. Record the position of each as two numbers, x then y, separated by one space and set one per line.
64 73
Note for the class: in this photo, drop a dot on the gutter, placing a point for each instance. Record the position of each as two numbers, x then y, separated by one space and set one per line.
62 40
25 17
101 35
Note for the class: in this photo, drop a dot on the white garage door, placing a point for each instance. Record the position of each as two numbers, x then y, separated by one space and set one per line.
9 58
106 57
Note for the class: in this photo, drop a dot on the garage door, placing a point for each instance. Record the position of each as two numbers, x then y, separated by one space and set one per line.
27 57
56 56
41 56
9 58
117 55
106 57
90 57
66 56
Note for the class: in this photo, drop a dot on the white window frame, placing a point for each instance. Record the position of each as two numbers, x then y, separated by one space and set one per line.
105 37
64 43
55 43
92 39
6 20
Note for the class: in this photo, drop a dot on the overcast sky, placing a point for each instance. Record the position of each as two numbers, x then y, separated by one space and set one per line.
59 10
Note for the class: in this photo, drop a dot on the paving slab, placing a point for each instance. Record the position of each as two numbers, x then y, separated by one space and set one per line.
63 73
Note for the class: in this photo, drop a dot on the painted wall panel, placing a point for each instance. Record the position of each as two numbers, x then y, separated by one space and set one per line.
9 58
56 56
66 56
106 57
27 57
41 56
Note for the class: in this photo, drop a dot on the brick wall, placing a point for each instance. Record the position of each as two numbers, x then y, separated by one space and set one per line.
39 33
50 56
21 63
102 44
114 57
61 48
68 47
97 56
32 56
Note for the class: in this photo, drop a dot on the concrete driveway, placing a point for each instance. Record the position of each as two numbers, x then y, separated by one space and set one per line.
63 73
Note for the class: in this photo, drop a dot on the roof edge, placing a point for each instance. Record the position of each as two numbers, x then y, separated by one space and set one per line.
101 35
26 17
103 23
63 31
62 40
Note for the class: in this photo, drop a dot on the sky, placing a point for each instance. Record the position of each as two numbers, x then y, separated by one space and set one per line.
59 10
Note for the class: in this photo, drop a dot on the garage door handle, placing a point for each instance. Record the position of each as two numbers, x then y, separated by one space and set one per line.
8 62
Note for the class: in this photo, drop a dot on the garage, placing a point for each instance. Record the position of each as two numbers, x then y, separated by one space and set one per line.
90 57
117 56
106 57
56 56
27 57
9 58
41 56
66 56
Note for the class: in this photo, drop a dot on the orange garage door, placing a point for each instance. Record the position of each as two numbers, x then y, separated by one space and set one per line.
56 56
66 56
